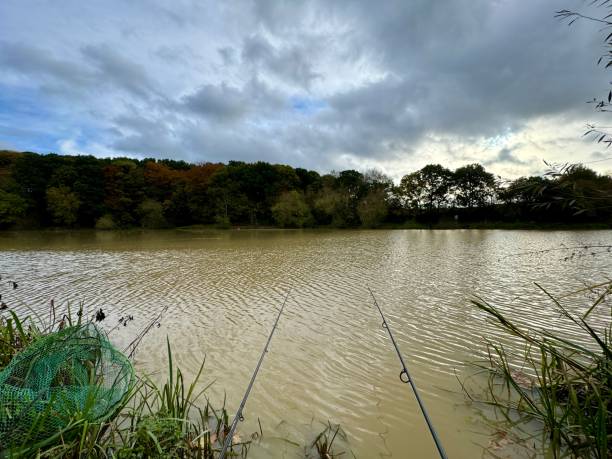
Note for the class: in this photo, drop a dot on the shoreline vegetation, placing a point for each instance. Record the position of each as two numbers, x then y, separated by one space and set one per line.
171 418
558 388
152 419
50 191
410 225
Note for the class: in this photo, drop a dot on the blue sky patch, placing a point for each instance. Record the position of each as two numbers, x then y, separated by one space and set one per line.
306 105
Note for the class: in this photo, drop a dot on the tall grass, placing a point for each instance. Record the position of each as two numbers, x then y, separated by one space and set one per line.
565 387
172 418
156 420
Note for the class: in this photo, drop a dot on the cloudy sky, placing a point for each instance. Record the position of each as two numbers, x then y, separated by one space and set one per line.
323 85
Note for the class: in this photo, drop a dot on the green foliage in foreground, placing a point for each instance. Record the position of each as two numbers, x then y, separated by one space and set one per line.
565 386
152 420
74 370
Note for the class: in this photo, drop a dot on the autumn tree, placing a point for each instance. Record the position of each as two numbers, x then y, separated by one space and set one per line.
124 191
198 188
160 180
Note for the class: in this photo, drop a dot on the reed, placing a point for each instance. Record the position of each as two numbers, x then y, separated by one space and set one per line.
171 418
156 420
564 387
323 446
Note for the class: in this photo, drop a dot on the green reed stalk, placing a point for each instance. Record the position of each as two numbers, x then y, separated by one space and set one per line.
570 390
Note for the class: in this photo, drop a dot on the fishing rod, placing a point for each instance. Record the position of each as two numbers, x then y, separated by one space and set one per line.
239 417
406 378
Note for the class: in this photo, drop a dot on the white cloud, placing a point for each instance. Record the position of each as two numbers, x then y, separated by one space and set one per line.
396 87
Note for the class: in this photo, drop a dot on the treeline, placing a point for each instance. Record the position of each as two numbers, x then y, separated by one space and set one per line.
84 191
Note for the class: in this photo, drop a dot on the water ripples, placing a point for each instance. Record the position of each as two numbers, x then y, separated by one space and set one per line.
330 358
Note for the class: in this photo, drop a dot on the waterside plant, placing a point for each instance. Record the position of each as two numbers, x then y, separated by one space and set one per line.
168 419
561 386
156 420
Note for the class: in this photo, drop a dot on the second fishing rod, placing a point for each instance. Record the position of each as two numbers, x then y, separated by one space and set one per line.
406 378
228 438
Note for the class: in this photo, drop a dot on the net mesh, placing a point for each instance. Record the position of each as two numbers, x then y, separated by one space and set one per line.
72 374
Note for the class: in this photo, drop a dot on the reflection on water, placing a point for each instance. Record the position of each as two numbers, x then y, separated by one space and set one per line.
330 359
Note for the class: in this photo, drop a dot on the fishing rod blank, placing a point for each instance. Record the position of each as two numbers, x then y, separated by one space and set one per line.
239 417
406 378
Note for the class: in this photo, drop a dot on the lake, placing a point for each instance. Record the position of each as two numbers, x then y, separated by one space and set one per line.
330 359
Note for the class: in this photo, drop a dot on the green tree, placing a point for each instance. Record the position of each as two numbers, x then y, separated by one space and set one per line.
31 173
372 209
201 204
524 190
309 181
63 205
376 179
427 188
352 183
152 214
409 191
12 206
339 196
332 206
473 186
89 186
291 210
578 190
125 184
226 195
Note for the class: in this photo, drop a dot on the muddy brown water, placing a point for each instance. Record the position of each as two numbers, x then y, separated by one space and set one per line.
330 359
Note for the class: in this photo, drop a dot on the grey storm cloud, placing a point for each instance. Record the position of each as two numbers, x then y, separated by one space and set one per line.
222 102
309 83
37 63
228 54
117 69
504 155
97 66
290 63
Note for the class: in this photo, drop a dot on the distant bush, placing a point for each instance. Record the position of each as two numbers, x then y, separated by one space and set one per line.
12 206
372 209
105 222
222 222
152 214
63 205
291 210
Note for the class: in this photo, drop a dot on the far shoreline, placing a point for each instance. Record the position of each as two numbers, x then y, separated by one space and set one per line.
519 226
